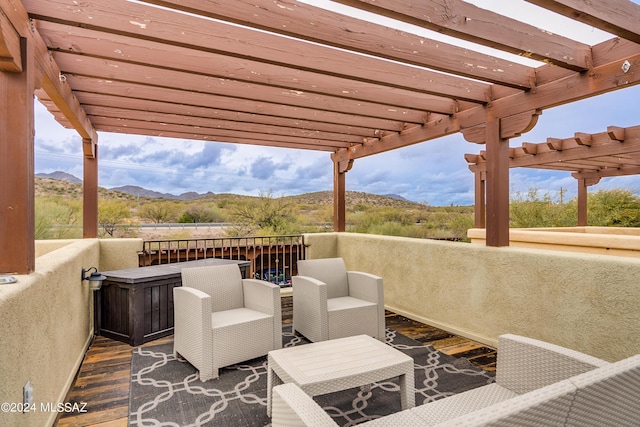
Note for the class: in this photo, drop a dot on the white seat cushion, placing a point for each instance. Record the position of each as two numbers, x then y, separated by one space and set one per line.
346 303
463 403
226 318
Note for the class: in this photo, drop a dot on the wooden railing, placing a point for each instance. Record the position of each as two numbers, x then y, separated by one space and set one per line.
273 258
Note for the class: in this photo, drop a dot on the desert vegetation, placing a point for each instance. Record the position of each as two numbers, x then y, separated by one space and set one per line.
59 214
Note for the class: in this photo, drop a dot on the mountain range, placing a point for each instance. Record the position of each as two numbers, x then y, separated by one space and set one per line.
143 192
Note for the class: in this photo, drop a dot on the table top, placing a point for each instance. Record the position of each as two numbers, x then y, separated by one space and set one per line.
164 271
351 359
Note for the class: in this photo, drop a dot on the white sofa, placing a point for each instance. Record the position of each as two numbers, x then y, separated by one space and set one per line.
537 384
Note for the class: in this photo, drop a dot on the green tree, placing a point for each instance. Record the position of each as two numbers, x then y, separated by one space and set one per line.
264 215
112 215
198 213
536 209
57 218
613 208
158 212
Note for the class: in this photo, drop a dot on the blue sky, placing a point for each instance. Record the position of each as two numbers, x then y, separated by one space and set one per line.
434 171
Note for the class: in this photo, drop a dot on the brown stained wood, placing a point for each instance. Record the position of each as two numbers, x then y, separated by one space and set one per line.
468 22
10 52
90 192
92 94
339 192
111 114
517 124
113 70
190 31
104 102
118 47
617 17
104 377
17 247
615 152
319 25
394 94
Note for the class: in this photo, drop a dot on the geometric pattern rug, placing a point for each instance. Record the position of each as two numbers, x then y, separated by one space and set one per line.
166 391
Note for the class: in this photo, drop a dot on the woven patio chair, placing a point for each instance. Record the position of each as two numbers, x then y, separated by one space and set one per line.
330 302
222 319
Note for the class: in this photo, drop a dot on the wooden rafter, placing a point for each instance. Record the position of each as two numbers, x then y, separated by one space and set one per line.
318 25
615 152
617 17
471 23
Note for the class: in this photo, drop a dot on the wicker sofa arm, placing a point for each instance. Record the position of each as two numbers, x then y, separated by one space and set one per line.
365 286
261 296
310 316
310 289
525 364
294 408
192 324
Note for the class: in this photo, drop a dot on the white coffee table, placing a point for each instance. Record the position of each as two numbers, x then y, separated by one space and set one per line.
334 365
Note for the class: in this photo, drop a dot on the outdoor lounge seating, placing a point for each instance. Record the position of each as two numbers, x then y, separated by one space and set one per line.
537 384
330 302
222 319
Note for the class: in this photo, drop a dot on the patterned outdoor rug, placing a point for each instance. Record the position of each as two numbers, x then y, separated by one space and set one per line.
167 392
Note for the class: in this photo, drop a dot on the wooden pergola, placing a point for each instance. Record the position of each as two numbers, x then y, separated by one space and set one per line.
589 157
283 73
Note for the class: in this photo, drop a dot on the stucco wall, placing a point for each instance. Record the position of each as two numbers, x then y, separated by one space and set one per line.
46 325
118 254
45 246
617 241
582 301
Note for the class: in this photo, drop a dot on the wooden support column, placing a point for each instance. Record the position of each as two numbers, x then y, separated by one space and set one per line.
583 184
90 188
340 169
495 133
582 202
480 206
17 246
497 222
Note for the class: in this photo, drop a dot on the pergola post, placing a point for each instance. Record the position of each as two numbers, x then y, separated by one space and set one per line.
90 190
17 234
497 217
480 206
340 169
582 202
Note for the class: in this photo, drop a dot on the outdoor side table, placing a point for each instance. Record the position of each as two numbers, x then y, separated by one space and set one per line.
329 366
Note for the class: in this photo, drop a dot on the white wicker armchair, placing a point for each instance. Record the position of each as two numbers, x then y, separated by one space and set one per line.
330 302
222 319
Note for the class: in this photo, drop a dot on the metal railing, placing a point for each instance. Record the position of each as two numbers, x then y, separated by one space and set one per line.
273 258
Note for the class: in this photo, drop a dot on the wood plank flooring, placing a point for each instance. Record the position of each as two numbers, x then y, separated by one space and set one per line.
103 379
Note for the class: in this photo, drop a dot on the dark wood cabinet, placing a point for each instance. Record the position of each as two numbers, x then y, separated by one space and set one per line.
136 305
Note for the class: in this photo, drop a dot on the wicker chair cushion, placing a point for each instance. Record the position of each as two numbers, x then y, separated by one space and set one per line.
331 271
223 284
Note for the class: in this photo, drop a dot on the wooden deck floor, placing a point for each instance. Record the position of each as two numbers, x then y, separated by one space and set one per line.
103 379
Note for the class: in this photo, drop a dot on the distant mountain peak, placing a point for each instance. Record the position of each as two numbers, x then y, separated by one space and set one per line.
397 197
59 175
135 190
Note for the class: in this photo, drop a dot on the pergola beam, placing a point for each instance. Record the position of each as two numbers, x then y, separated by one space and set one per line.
618 17
589 157
319 25
465 21
238 44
